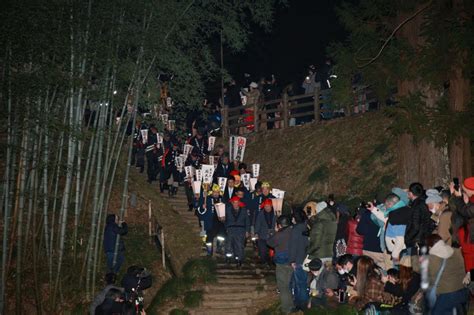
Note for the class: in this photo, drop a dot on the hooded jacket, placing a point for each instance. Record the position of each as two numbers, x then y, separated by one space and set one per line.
453 274
112 230
397 222
322 234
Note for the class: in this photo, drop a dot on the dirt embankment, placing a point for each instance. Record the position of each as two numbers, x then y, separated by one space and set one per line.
350 157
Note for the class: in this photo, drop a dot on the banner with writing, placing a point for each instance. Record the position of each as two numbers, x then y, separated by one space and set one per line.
198 174
232 140
240 148
187 149
207 172
222 181
246 180
210 143
278 193
189 170
255 170
144 133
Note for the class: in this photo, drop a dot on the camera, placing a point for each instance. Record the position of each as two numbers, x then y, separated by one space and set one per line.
342 296
456 183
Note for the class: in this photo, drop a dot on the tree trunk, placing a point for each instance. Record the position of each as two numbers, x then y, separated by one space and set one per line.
420 161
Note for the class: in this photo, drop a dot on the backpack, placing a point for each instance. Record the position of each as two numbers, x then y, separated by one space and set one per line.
299 288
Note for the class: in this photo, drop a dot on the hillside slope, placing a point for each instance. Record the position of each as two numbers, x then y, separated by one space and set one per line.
350 157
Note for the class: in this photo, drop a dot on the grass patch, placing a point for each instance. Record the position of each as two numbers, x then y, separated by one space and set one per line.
339 310
178 311
192 298
320 174
200 270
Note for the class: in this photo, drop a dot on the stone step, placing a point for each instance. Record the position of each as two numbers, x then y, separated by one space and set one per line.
206 311
241 281
232 296
239 276
226 304
237 287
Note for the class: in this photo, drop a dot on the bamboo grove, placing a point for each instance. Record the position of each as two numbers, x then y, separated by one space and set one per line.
73 74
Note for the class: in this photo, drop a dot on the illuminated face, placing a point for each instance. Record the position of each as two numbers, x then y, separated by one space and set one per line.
265 191
240 194
236 204
268 208
230 183
215 194
433 207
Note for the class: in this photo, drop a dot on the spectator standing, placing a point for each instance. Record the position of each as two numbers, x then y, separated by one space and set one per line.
420 225
323 233
114 228
280 242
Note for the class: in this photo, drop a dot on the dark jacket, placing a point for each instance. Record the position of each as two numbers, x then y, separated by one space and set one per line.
262 227
407 294
237 219
222 170
298 243
369 230
280 243
110 235
419 226
227 195
322 234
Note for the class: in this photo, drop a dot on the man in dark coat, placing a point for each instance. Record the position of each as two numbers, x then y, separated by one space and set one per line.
237 224
200 144
229 190
419 227
151 151
280 242
113 229
264 227
223 167
138 150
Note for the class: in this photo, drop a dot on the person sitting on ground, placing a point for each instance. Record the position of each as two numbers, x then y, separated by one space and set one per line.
280 243
114 228
327 285
110 280
322 233
404 283
369 285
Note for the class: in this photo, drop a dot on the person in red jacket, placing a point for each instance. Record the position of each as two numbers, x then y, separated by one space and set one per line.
467 247
355 241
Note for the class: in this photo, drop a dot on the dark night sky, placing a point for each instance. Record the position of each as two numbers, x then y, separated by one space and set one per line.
300 35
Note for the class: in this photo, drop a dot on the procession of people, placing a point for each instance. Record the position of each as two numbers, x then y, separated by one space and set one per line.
408 253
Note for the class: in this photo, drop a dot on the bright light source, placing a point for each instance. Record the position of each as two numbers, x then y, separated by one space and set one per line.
115 92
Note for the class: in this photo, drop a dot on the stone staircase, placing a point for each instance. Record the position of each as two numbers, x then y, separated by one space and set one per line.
237 291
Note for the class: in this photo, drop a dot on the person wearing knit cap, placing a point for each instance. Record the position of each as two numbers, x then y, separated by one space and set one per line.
237 223
264 226
322 233
441 215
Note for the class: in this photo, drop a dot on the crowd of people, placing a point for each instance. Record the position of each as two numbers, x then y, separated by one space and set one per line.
409 252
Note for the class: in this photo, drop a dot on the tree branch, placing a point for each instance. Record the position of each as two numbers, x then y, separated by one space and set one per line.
394 32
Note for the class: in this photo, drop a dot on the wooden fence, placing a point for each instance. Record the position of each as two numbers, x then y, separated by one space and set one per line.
281 111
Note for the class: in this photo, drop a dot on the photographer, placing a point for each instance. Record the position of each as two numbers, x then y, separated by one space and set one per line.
110 279
134 282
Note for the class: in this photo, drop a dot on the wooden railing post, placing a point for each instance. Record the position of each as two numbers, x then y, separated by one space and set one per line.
225 121
285 110
317 109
